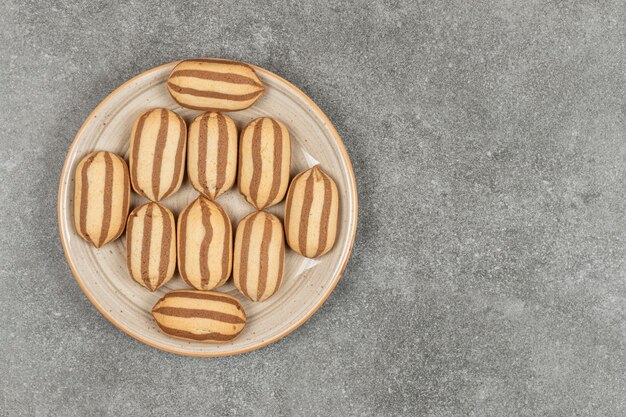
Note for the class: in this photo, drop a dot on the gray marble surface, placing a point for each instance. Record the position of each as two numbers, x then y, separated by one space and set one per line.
488 276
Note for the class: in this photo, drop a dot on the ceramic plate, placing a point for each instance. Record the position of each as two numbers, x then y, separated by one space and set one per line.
102 273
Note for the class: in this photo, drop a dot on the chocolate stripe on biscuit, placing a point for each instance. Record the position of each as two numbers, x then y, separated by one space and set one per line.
227 77
212 94
323 237
206 242
107 198
278 163
178 164
202 151
264 256
257 162
222 152
146 241
245 253
157 162
166 241
305 213
199 313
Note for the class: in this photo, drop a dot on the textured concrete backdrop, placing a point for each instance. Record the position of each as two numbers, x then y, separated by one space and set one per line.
488 276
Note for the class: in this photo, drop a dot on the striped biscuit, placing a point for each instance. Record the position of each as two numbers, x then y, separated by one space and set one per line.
157 153
201 316
212 154
151 245
205 245
264 161
311 213
259 256
101 197
213 84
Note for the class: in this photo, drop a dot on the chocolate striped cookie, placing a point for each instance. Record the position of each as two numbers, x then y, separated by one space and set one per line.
101 197
202 316
157 153
259 260
311 213
212 154
264 161
205 245
213 84
151 245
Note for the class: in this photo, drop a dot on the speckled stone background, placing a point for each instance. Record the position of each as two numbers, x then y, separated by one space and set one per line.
488 276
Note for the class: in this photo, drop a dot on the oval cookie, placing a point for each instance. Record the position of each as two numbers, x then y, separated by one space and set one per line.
264 161
157 153
311 213
259 258
212 154
201 316
151 245
101 197
204 245
212 84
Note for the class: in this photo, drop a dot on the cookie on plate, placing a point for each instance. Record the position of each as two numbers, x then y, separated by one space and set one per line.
157 153
311 213
101 197
205 245
151 245
264 162
201 316
212 154
214 84
259 258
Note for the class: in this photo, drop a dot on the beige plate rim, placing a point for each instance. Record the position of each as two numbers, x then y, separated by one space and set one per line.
335 280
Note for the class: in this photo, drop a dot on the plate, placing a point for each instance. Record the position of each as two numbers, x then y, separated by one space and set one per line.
102 273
